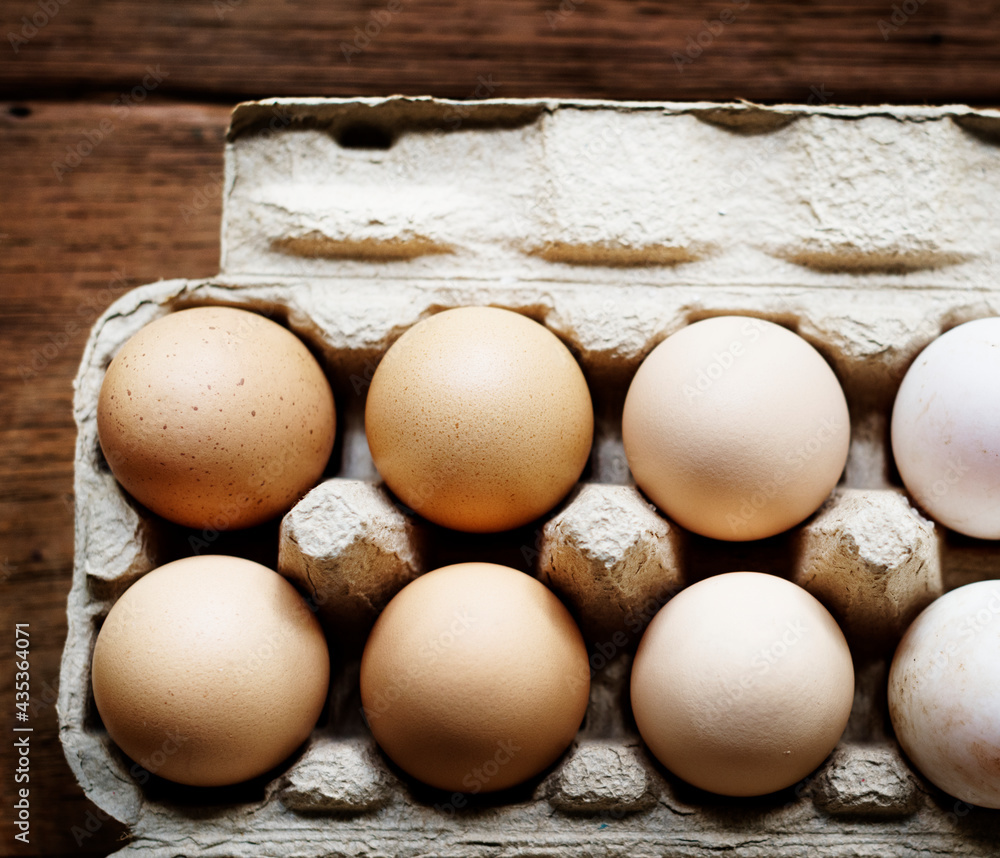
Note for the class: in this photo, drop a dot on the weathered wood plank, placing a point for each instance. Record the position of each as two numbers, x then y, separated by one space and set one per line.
859 51
129 213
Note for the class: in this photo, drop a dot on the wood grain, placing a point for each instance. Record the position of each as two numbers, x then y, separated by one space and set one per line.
143 204
763 51
111 155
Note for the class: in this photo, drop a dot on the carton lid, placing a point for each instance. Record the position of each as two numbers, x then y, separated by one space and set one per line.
416 187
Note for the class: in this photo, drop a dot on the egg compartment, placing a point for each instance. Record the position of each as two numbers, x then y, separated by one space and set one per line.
533 206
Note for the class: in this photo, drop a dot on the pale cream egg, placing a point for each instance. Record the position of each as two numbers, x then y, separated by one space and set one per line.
742 684
210 670
736 428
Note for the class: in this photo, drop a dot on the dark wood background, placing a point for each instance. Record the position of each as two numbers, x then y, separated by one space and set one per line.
148 85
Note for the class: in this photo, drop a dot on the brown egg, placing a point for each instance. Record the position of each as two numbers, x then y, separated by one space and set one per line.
215 417
742 684
474 678
479 419
210 670
736 428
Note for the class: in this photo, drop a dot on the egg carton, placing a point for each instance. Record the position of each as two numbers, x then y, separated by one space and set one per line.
866 230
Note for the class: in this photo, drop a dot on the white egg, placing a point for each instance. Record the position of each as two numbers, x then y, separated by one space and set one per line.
946 429
944 693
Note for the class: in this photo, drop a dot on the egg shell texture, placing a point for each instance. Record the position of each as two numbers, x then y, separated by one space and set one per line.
736 428
479 419
944 693
215 417
210 670
474 678
742 684
946 429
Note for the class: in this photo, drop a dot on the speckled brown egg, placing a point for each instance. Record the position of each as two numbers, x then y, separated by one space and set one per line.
216 417
474 678
479 419
210 670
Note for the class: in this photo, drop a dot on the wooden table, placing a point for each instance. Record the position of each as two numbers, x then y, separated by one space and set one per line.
112 121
